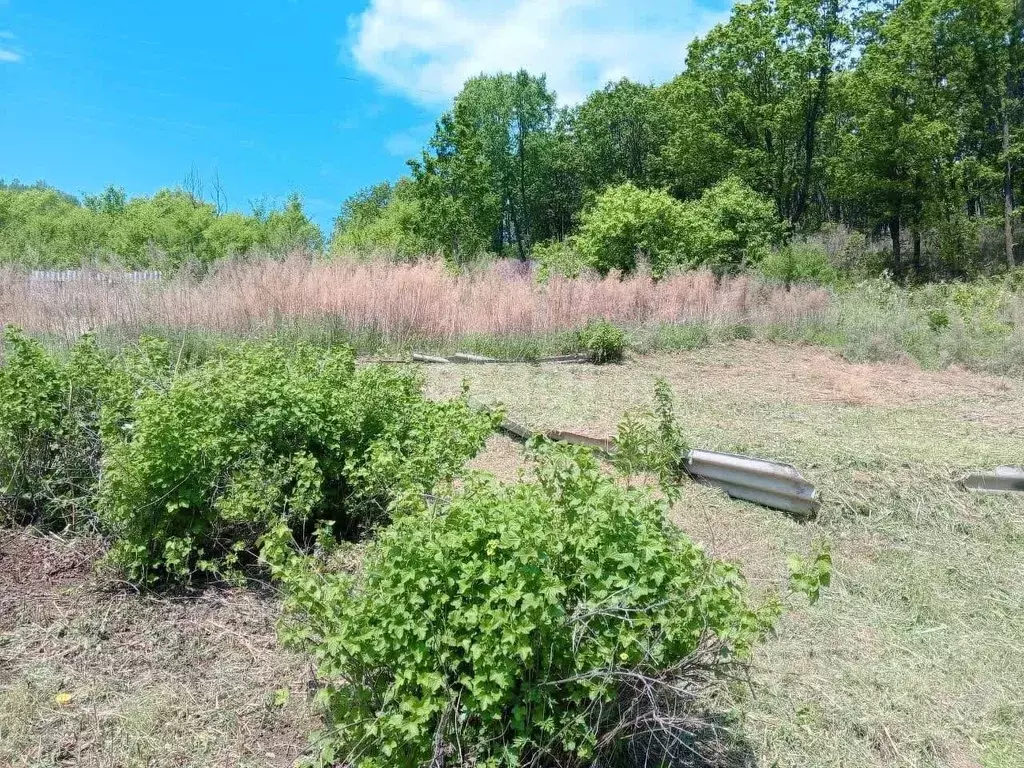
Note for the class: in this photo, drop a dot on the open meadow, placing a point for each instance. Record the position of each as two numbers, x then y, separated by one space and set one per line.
913 656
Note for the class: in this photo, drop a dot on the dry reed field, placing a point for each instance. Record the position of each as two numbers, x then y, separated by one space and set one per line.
395 302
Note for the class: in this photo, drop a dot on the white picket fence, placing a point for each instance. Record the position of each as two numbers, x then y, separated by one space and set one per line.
86 276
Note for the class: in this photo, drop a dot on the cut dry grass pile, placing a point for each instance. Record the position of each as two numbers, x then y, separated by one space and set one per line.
393 302
915 656
94 675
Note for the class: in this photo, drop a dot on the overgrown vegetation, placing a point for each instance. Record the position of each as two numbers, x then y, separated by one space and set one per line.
49 431
549 623
200 460
552 622
43 227
212 460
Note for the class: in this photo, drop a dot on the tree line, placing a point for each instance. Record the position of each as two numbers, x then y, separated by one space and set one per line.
44 227
900 120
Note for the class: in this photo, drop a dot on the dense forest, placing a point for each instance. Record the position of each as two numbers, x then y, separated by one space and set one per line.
891 131
900 121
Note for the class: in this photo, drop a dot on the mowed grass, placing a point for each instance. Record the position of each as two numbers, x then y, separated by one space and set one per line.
915 655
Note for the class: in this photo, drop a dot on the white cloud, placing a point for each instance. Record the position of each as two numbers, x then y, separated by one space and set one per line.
427 49
8 55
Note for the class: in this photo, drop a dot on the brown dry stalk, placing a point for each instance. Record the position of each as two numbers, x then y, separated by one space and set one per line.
398 301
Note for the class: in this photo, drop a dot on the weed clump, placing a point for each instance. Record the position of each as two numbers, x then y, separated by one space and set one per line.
49 423
604 341
210 462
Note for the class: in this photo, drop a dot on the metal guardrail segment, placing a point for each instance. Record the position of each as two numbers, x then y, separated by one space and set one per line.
465 357
769 483
763 482
1001 480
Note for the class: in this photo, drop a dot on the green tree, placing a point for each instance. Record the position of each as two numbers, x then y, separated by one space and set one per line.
753 100
381 219
454 184
492 147
618 131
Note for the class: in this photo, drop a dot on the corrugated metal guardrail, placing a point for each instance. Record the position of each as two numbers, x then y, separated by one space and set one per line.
769 483
465 357
1002 480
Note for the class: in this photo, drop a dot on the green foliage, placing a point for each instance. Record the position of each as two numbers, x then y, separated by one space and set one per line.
729 227
808 576
653 442
215 456
604 341
558 257
799 262
509 622
42 227
49 424
627 222
383 219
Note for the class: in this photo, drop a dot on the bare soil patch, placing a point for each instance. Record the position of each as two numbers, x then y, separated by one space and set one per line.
94 674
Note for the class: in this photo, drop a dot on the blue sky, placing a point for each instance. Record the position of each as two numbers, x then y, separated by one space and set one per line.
274 96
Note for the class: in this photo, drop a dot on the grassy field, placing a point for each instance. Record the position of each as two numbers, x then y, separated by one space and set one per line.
914 656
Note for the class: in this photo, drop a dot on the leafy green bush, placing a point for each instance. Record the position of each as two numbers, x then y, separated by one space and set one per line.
44 227
558 257
49 424
626 222
516 625
604 341
729 227
205 464
382 219
799 263
653 441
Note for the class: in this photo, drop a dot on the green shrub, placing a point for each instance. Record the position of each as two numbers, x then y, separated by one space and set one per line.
382 219
604 341
730 227
653 441
799 263
558 257
205 464
49 422
518 625
626 222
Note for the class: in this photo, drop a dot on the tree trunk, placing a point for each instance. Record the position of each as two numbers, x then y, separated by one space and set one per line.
917 254
894 232
1007 189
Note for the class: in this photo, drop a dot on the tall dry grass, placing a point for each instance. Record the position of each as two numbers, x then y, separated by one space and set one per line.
394 301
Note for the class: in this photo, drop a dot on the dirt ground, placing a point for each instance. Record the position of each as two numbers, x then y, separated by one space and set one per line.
914 656
93 673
